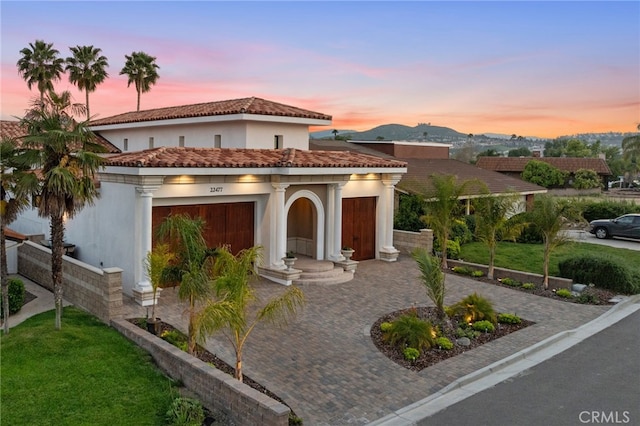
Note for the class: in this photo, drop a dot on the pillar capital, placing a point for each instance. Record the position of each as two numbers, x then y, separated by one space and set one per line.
278 186
147 189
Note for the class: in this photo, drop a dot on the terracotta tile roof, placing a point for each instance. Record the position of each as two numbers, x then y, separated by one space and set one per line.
12 129
569 164
252 105
10 234
242 158
419 171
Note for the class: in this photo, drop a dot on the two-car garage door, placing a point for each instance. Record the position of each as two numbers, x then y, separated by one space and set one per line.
225 223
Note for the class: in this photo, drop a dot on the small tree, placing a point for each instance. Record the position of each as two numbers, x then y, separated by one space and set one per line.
432 277
10 206
586 179
550 217
492 222
155 264
543 174
443 201
232 288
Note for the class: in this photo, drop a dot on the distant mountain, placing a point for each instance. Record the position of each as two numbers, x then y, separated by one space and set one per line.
399 132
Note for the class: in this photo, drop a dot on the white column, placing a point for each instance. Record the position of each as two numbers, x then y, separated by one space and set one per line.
329 222
335 254
388 251
143 291
281 224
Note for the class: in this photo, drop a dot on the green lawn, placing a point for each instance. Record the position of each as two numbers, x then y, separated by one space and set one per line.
528 257
84 374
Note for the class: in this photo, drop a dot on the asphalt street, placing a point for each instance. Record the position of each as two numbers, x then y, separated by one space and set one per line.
596 381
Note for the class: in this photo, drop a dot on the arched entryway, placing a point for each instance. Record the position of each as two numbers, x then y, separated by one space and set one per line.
305 224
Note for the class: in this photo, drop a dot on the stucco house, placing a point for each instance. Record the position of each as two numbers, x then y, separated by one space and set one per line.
244 166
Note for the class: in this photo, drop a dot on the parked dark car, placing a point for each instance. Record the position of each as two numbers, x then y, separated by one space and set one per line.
627 226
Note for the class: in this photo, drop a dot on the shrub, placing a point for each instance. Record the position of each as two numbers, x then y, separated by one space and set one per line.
608 209
16 294
185 412
477 273
603 272
464 270
510 282
509 319
411 354
529 286
467 332
385 326
563 292
586 179
444 343
176 338
483 325
473 308
587 298
543 174
460 232
410 331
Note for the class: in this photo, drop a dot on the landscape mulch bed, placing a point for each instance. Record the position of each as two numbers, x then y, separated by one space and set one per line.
435 355
206 356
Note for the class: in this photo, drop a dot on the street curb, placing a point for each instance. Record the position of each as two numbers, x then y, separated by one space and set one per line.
510 366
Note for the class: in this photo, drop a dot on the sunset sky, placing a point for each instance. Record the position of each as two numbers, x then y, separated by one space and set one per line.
541 68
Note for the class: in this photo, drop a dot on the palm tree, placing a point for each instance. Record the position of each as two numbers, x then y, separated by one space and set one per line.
550 217
40 66
63 151
191 267
10 207
492 222
155 264
232 286
86 69
631 150
432 278
442 202
141 70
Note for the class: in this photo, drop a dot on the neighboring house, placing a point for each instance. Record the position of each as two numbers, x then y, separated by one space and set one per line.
514 166
245 167
425 159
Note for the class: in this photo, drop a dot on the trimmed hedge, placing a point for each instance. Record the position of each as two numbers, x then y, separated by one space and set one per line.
608 210
602 272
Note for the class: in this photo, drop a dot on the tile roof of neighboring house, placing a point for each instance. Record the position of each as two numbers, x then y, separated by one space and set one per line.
569 164
12 129
241 158
419 171
252 105
10 234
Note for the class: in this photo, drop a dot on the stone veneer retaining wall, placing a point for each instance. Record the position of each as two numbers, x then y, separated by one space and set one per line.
215 389
523 277
406 241
97 291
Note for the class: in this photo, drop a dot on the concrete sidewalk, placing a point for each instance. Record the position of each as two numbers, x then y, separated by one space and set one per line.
42 303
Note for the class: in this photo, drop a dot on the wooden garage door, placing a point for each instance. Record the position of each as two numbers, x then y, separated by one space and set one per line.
359 226
227 223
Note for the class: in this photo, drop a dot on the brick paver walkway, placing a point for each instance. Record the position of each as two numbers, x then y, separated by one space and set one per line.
325 366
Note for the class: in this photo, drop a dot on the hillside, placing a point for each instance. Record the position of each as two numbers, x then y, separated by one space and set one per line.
400 132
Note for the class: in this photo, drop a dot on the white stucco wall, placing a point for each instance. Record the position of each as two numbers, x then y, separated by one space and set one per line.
233 134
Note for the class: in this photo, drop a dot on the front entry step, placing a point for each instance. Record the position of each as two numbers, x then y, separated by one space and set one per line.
318 272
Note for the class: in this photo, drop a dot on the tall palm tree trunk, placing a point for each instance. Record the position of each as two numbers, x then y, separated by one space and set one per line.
3 277
87 98
57 248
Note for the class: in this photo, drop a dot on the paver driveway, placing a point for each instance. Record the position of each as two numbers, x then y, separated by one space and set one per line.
325 366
